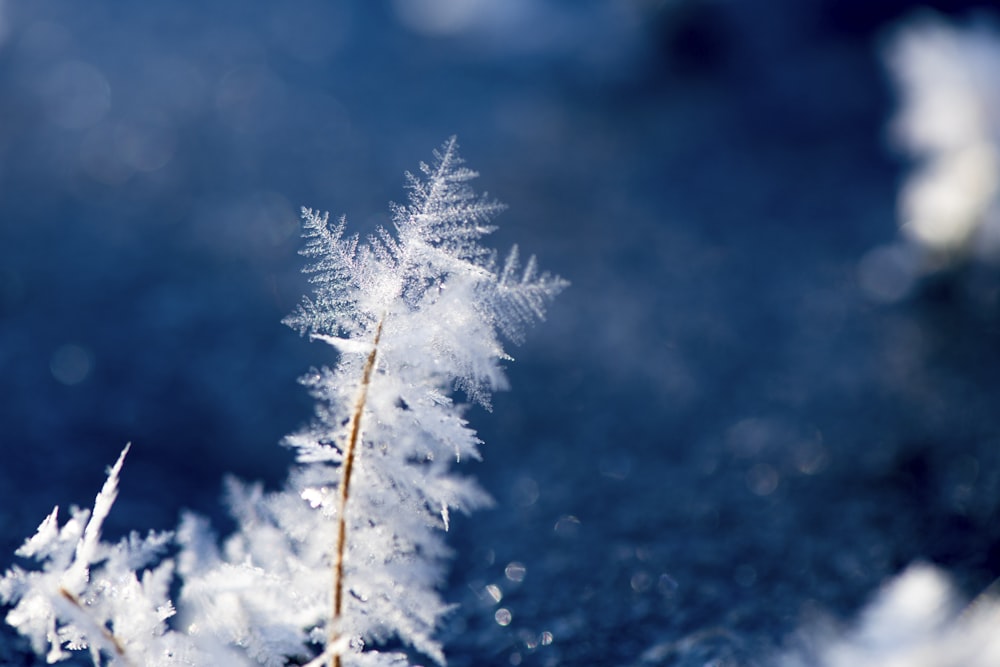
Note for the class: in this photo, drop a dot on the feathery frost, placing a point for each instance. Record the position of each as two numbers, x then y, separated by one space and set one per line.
348 557
415 314
95 596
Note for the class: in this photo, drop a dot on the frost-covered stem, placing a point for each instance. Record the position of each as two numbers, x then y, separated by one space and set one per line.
109 637
353 432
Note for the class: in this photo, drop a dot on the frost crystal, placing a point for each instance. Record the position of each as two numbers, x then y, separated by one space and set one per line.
95 596
349 556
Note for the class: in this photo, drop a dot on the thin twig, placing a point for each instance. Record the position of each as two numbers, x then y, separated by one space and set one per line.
347 467
109 637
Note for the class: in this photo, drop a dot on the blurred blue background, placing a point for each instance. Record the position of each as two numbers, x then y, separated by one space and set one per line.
717 437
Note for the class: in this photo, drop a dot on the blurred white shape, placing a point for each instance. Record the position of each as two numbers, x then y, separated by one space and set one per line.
949 121
515 571
494 592
944 203
907 610
74 94
914 621
947 81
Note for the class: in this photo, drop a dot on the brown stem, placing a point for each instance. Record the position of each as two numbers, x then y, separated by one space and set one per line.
346 468
109 637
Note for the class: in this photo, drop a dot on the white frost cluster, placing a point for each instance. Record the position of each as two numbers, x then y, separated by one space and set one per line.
414 315
86 587
915 621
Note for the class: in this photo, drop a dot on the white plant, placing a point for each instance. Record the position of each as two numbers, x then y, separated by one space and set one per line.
91 595
348 557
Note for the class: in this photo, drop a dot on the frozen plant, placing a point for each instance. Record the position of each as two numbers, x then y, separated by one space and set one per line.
348 557
90 595
414 315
